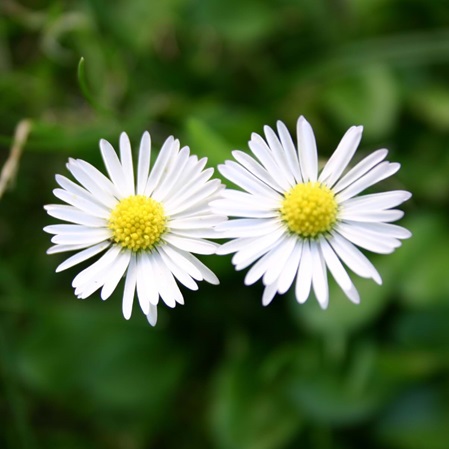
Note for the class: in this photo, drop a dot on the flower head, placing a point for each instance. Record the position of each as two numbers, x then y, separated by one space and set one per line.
296 222
146 229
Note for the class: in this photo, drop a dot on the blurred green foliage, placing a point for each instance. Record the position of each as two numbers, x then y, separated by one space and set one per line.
223 372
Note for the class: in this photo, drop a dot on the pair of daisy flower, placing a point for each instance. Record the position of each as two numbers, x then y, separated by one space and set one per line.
294 222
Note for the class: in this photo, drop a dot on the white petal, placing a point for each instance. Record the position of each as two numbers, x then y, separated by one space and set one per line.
308 157
364 166
280 156
261 150
130 288
198 222
246 180
290 150
288 275
198 246
74 215
248 227
268 294
172 293
94 270
178 271
354 258
82 203
152 315
143 166
338 272
304 276
75 189
126 159
168 150
342 156
366 240
63 248
115 274
280 258
114 168
91 238
262 245
145 277
206 273
319 276
164 189
94 181
82 256
372 217
377 201
382 171
257 170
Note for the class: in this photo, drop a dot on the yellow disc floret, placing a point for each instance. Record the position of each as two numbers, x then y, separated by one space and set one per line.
137 223
309 209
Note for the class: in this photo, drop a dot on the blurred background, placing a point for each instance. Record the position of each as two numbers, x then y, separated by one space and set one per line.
222 371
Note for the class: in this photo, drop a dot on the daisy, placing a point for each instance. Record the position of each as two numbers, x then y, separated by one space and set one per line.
146 229
296 222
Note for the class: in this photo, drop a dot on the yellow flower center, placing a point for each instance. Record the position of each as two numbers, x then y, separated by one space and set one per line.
309 209
137 223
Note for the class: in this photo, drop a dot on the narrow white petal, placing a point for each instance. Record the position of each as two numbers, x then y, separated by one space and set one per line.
182 259
304 276
342 156
94 181
82 256
151 281
290 151
126 159
384 230
152 315
244 227
319 276
144 274
115 274
75 189
288 275
308 156
74 215
164 189
94 270
63 248
206 273
258 269
268 294
130 288
364 166
262 244
82 203
170 292
168 150
257 170
354 258
377 201
261 150
197 222
372 217
143 166
280 156
338 272
114 168
280 258
382 171
246 180
366 240
91 238
178 271
68 229
198 246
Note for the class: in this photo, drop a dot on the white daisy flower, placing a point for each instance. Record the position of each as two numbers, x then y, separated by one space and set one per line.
297 222
148 229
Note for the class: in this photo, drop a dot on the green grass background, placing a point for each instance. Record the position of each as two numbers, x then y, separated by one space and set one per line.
222 371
